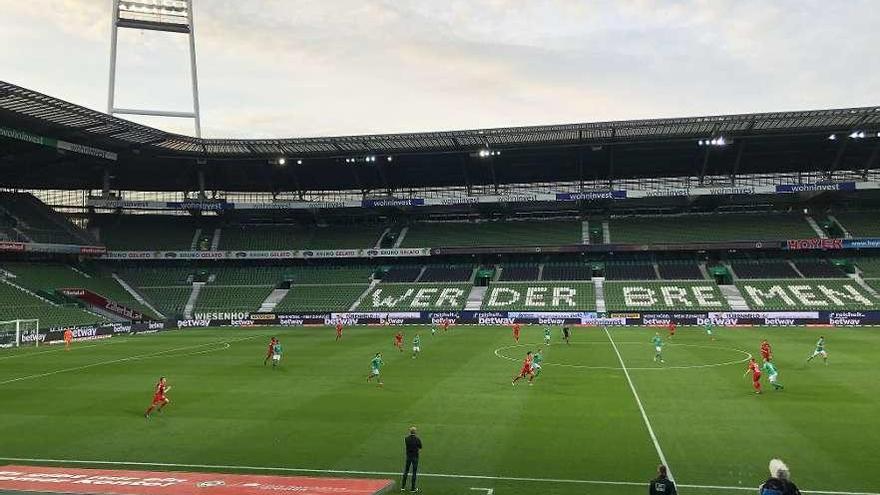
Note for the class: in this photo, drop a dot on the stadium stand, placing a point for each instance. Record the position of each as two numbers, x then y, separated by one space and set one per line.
320 297
538 296
763 269
663 296
250 275
402 274
24 218
708 227
566 271
782 295
154 276
630 270
146 232
17 304
51 276
447 273
859 224
288 236
515 273
415 297
171 301
231 298
680 270
493 233
818 269
870 267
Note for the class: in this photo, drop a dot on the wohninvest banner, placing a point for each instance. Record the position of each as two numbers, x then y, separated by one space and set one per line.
266 255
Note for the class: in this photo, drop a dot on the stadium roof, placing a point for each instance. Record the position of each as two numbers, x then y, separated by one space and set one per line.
46 111
47 143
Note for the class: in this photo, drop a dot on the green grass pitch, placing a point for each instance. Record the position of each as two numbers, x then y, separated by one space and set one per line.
578 425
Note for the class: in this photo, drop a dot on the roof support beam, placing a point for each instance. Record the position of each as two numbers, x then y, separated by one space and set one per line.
705 164
740 147
871 161
462 158
838 156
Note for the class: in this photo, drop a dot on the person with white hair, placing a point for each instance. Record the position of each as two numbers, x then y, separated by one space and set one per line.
779 482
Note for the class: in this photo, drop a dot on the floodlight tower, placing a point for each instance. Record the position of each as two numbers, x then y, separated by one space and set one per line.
167 16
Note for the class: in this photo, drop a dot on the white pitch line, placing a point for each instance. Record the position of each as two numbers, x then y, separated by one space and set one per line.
641 407
40 353
122 360
393 473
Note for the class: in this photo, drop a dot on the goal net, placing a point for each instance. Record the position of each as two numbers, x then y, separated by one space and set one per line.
15 333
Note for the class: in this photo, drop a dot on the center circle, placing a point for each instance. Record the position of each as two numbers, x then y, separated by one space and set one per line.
500 352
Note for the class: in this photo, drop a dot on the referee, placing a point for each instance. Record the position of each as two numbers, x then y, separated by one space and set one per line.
413 445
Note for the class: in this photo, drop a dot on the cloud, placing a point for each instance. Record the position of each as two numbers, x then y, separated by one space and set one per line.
311 67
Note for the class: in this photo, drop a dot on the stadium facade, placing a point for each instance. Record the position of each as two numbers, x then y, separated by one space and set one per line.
112 227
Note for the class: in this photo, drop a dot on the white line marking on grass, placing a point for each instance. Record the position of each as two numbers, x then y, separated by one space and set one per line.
641 407
130 358
498 353
56 349
391 473
489 491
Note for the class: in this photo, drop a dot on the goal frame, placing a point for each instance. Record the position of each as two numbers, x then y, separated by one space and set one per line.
19 327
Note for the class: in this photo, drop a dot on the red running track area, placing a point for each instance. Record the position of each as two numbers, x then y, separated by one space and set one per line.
113 482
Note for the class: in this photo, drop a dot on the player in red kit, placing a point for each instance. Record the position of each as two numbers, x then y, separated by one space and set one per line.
338 330
766 353
756 375
270 351
526 370
445 326
516 329
398 341
671 328
159 398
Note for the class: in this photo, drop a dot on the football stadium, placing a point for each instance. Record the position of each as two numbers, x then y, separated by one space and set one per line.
557 309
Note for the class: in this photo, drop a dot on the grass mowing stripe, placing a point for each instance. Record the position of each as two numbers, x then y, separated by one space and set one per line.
389 473
122 360
641 407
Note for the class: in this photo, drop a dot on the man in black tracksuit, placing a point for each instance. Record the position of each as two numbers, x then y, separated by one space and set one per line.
413 445
661 485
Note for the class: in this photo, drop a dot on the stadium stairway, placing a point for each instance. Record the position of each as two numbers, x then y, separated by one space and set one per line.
599 286
381 236
475 298
795 268
734 298
373 283
857 278
272 300
606 232
541 271
815 226
846 233
215 241
194 244
135 294
585 232
193 297
400 238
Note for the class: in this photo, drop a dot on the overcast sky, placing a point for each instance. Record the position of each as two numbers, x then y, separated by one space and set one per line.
291 68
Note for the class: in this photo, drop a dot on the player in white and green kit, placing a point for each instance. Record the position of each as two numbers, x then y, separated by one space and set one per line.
375 365
658 347
709 330
276 354
537 362
417 346
820 351
772 375
547 335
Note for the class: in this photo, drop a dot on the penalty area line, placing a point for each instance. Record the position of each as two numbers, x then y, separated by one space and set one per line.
392 473
129 358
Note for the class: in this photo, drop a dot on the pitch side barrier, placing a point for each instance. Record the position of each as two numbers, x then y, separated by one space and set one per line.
481 318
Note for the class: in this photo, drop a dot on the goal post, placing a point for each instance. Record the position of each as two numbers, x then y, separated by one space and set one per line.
14 333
